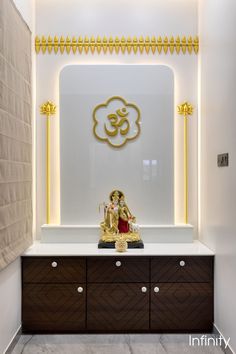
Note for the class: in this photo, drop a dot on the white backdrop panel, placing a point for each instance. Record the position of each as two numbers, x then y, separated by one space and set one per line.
143 169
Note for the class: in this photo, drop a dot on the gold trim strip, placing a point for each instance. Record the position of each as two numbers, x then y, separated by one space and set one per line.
154 45
186 169
185 109
48 164
48 109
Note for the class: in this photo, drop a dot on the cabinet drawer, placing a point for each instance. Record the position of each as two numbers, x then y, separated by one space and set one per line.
50 308
181 307
115 269
182 269
54 270
118 307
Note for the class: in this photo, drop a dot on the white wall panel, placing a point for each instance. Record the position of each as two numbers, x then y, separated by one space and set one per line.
218 127
143 168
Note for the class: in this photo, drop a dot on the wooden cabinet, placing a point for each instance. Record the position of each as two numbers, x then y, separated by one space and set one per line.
54 308
54 270
118 307
117 294
181 294
114 269
182 269
181 307
54 294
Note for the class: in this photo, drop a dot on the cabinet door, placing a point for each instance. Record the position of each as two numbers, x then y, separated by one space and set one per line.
53 308
118 269
181 307
118 307
53 270
182 269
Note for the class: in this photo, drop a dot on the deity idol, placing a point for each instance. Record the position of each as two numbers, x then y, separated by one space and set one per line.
118 221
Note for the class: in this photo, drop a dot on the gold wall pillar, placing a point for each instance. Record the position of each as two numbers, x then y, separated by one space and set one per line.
48 109
185 109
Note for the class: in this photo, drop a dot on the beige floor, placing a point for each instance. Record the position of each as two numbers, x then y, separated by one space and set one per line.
110 344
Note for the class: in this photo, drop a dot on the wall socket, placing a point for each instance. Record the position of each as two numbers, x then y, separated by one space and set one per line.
223 160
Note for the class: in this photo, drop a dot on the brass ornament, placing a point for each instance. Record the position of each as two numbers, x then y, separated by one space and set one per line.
110 45
118 123
121 244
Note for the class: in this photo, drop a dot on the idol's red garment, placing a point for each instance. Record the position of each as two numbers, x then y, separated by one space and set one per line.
123 226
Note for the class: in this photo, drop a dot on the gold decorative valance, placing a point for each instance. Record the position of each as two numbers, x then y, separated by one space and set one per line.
117 45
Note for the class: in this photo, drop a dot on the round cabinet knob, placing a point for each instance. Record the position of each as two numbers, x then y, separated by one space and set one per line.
182 263
156 289
54 264
144 289
118 263
80 289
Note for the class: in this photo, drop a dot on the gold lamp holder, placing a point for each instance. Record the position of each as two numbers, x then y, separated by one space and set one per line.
185 109
48 109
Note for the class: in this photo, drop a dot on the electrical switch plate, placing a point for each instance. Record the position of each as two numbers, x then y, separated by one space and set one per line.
223 160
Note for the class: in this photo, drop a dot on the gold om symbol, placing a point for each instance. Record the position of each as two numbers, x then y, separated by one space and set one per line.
117 121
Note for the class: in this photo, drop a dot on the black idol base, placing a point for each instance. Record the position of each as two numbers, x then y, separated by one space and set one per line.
135 244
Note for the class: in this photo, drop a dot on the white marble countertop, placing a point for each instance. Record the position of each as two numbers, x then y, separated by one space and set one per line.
195 248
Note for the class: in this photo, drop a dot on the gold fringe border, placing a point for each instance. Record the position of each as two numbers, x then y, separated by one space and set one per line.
117 45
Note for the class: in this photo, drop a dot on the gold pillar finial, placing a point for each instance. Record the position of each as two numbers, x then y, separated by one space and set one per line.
185 109
48 109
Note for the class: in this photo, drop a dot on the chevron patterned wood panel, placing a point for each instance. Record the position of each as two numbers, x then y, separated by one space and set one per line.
131 270
40 269
118 307
53 308
168 269
181 307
